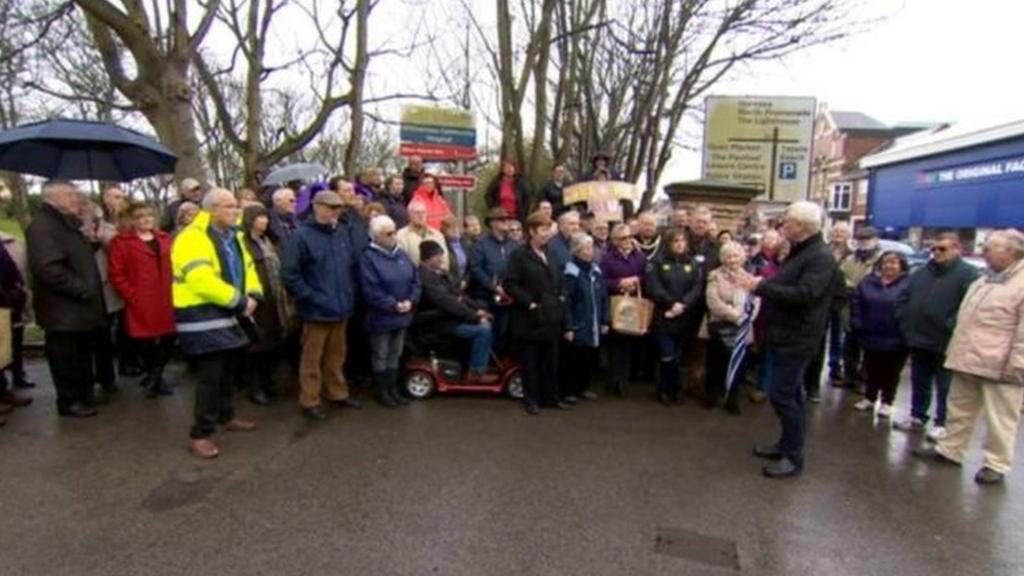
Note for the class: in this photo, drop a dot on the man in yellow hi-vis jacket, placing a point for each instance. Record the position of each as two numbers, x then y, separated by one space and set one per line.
215 292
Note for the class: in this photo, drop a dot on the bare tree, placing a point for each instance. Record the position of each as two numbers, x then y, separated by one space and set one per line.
147 53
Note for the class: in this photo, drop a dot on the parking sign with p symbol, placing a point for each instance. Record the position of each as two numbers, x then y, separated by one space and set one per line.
787 170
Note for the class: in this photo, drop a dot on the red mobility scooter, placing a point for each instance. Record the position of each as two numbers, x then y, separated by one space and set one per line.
437 365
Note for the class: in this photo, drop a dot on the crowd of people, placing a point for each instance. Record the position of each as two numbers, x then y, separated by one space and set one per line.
334 278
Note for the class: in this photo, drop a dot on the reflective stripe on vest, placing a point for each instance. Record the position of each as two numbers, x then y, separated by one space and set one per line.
207 325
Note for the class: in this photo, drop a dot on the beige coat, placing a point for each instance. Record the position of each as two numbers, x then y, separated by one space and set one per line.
725 299
989 337
409 240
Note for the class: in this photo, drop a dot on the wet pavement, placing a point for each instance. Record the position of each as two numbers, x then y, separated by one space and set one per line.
472 485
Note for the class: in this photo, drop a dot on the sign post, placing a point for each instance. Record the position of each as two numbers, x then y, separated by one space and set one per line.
441 135
760 141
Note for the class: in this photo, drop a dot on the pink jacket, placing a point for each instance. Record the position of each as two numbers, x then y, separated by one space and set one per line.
725 299
989 337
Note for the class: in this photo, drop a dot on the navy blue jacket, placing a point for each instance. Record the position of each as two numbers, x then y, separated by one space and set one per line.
317 271
873 313
387 277
927 311
487 260
586 302
561 250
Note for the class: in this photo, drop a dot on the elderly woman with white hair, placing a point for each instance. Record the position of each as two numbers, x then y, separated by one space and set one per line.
586 317
728 311
795 303
986 357
391 288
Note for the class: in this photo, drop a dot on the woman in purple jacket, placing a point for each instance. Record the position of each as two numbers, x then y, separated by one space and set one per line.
874 321
623 268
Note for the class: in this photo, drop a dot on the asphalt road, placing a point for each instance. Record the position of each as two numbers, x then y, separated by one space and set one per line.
472 485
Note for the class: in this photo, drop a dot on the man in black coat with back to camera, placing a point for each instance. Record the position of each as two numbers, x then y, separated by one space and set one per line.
796 304
68 296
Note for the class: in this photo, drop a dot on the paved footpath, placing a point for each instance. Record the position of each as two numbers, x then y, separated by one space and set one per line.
471 485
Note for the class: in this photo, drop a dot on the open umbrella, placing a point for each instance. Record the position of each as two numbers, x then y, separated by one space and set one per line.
83 150
291 172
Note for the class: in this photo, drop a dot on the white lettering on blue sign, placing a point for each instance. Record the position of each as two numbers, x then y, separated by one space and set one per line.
972 172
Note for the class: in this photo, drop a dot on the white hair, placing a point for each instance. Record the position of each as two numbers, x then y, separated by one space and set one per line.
564 217
702 210
54 186
731 246
214 196
280 193
580 241
417 205
380 224
1012 239
808 214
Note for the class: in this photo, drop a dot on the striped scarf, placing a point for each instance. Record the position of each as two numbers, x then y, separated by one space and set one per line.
739 348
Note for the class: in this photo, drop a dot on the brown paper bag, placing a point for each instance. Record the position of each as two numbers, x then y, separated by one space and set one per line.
631 314
6 355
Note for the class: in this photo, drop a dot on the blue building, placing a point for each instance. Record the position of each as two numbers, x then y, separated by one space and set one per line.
957 177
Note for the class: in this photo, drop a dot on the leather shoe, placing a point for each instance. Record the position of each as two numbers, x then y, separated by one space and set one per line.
77 410
349 402
203 447
767 452
781 469
928 452
259 398
532 409
315 413
239 425
588 395
571 400
988 477
5 408
15 399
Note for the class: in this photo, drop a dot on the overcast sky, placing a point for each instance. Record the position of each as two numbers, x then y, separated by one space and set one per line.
928 60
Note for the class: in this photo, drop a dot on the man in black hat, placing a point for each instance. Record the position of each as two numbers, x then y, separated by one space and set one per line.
487 260
855 268
452 314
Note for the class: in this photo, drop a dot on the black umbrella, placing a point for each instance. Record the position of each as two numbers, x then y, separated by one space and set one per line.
83 150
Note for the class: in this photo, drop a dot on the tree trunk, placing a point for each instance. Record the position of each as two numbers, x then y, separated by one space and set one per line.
170 113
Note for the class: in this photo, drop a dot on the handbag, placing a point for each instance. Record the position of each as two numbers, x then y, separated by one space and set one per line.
631 314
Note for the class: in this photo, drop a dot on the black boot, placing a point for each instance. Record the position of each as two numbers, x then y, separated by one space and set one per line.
380 380
395 386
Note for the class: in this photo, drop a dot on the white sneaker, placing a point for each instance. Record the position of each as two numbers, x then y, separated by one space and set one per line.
885 410
863 405
909 425
937 433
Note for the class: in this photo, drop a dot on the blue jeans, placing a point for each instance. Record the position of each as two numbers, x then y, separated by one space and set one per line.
386 350
479 336
785 390
835 343
926 367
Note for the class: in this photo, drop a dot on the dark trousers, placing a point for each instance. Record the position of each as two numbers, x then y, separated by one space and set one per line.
155 353
670 353
581 361
852 355
17 367
539 363
499 329
812 378
785 390
128 356
620 358
835 343
214 388
716 369
357 361
883 370
104 357
70 357
926 367
260 369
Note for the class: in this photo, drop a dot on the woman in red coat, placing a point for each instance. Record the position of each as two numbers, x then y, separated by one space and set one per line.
140 271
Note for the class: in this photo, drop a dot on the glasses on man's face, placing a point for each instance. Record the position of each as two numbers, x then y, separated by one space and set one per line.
620 238
290 200
940 249
389 233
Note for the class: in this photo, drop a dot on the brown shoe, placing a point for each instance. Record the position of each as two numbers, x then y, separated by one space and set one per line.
481 378
14 399
239 425
203 447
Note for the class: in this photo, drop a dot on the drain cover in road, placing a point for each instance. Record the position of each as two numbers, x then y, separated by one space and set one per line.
697 547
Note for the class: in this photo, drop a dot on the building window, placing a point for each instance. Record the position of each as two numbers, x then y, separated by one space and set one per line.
842 197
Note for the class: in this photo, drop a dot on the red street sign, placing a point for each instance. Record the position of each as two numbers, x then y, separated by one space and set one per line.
456 181
436 151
